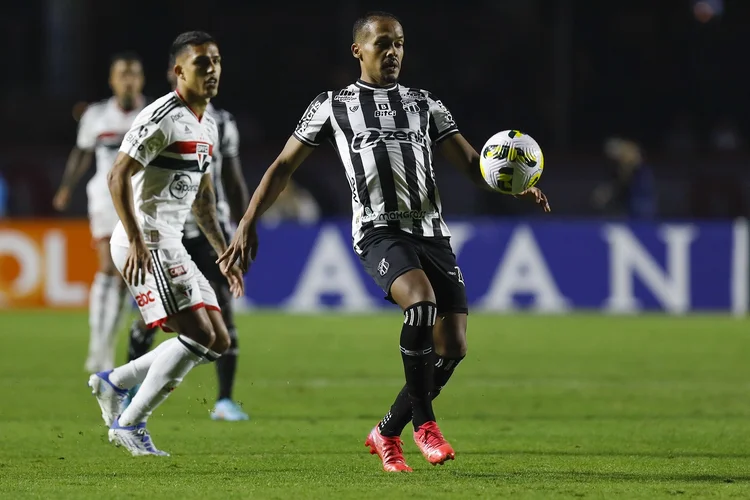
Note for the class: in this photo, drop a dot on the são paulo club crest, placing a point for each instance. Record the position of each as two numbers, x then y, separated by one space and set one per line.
202 152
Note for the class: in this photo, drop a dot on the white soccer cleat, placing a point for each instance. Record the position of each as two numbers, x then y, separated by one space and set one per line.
135 439
109 397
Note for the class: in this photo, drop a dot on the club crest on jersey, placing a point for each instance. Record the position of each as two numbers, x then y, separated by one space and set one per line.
202 153
384 109
411 107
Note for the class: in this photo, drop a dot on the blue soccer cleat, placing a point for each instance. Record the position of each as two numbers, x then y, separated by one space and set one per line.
228 410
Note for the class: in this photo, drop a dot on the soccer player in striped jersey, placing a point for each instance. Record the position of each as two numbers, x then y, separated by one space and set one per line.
100 131
384 133
161 173
231 200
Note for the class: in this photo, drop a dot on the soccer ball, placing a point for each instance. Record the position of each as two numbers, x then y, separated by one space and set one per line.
511 162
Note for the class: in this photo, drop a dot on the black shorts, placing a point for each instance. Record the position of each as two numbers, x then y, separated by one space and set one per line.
388 253
204 256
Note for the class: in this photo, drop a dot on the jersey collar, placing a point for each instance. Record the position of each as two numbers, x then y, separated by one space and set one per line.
177 93
370 86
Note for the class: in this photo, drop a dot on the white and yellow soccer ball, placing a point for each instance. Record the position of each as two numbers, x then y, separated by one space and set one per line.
511 162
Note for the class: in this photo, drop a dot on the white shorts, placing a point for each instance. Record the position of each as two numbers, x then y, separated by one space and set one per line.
176 285
102 222
102 214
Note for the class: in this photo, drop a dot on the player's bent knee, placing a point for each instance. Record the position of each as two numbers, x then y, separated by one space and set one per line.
411 288
450 336
222 339
195 325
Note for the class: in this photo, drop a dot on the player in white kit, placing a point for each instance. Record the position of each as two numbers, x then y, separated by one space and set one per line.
101 130
166 156
231 199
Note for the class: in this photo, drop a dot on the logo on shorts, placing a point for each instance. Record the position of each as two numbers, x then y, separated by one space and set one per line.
143 299
458 274
185 289
178 270
383 266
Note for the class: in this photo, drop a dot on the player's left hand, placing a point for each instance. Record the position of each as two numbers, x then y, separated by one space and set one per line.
236 281
535 194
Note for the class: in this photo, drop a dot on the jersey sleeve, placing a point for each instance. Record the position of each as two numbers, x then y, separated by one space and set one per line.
442 124
86 138
146 138
230 140
315 125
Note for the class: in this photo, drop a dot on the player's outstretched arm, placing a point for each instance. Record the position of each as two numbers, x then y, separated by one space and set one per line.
204 210
79 161
244 245
464 157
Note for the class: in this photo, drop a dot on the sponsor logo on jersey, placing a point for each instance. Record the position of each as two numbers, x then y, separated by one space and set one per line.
346 96
181 185
370 137
305 121
384 109
413 96
176 116
370 216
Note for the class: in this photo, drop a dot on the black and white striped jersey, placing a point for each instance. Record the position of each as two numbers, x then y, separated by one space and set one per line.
384 137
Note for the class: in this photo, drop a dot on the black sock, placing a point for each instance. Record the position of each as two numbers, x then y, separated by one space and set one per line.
141 339
416 354
226 366
399 416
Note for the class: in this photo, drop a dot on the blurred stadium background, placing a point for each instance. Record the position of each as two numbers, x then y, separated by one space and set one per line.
642 113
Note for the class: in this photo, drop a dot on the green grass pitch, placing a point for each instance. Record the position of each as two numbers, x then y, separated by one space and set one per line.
543 407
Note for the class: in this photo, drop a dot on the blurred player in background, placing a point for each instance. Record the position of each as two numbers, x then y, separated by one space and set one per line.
160 174
231 200
101 130
384 134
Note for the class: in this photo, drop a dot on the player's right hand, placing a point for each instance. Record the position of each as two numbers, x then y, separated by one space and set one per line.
61 199
138 262
244 247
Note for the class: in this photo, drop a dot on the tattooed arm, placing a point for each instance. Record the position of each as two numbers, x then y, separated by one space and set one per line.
204 210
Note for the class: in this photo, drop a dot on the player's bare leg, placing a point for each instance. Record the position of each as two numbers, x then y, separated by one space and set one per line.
142 338
107 302
203 337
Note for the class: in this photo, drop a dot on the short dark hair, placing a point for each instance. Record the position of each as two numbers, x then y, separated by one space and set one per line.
361 23
127 56
187 39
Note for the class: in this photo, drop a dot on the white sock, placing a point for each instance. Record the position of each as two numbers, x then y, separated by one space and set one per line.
96 309
133 373
175 360
113 308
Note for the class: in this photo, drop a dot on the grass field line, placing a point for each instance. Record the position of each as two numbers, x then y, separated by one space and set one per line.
722 386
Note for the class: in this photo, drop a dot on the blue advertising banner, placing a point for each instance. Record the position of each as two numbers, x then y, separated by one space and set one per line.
549 267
